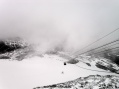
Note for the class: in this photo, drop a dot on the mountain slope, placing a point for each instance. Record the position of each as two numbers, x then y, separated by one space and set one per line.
90 82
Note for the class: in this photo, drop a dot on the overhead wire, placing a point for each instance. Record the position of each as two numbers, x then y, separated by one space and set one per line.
97 40
100 46
108 47
106 50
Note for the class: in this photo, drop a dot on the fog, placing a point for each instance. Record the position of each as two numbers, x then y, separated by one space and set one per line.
70 24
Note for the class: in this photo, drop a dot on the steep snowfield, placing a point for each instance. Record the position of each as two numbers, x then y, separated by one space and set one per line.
40 71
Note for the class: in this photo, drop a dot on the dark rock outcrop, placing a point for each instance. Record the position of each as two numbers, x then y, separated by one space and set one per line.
90 82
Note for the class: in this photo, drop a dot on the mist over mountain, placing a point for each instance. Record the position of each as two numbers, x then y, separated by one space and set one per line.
40 42
70 24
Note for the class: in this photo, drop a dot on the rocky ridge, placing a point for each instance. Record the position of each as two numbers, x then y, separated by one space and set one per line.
90 82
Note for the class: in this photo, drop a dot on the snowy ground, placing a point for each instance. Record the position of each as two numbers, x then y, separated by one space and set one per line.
40 71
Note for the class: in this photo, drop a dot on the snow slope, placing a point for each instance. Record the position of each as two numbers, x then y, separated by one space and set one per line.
100 63
40 71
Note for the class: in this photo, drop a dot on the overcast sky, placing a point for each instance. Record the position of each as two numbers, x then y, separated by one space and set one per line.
49 23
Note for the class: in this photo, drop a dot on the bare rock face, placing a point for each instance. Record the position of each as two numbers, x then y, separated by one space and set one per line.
8 46
90 82
100 62
15 48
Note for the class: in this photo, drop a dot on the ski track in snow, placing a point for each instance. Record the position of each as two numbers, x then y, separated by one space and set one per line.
41 71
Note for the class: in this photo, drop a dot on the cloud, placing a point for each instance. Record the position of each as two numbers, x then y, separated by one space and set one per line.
71 23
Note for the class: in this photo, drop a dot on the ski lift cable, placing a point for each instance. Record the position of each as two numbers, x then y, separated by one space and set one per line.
109 46
100 47
105 50
98 40
93 70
